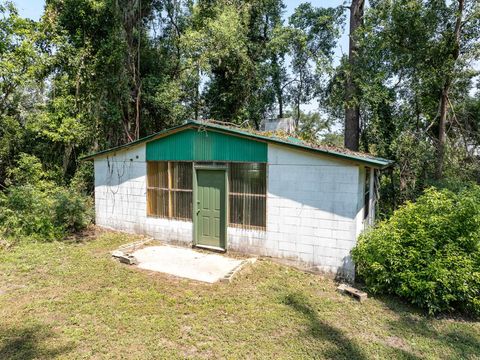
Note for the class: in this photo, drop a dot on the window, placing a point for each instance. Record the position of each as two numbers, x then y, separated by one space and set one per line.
366 211
170 195
169 190
247 195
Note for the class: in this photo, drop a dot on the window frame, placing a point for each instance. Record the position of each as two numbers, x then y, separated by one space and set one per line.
170 190
249 195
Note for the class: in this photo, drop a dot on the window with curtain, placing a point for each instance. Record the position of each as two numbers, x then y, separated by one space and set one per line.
169 189
247 195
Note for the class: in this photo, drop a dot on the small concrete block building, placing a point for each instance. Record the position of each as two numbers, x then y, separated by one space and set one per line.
222 188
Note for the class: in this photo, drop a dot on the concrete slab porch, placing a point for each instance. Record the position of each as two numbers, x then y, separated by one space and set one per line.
186 263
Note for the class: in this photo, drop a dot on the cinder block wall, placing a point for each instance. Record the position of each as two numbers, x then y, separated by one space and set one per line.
121 198
314 205
314 208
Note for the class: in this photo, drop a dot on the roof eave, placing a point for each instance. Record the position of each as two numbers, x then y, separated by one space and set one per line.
136 142
377 163
365 161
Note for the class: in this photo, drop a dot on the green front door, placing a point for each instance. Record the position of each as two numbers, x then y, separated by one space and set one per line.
211 217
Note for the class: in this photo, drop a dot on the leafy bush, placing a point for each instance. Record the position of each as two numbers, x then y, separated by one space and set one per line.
428 252
42 213
35 207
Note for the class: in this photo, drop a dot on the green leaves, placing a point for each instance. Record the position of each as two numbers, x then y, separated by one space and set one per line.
406 62
428 252
234 49
37 208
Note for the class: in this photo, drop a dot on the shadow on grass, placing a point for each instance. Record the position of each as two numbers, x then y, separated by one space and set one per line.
25 343
413 321
343 348
398 305
463 344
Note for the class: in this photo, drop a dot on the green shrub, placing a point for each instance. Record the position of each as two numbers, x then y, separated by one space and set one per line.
428 252
73 212
44 214
35 207
25 211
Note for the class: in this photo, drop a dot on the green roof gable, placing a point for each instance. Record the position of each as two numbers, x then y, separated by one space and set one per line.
194 145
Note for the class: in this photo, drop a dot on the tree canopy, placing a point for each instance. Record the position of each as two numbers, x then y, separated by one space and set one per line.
91 74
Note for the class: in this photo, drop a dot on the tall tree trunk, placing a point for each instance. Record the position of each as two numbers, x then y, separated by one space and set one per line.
352 109
131 12
196 110
137 79
197 93
279 87
137 110
442 124
297 117
280 104
66 158
442 136
277 84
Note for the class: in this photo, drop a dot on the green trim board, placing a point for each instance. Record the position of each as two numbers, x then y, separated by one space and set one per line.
361 158
193 145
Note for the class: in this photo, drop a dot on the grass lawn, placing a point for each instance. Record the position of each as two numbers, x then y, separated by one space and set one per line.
71 300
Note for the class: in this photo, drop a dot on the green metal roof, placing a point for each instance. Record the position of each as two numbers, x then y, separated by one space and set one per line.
343 154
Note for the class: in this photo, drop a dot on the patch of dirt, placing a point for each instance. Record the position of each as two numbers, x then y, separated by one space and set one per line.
394 342
85 235
11 287
4 244
397 343
188 351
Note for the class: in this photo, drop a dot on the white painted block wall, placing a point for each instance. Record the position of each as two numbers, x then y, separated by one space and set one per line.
121 198
314 207
313 211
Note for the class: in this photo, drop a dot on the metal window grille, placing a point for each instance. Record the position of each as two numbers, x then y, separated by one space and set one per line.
247 195
170 195
169 190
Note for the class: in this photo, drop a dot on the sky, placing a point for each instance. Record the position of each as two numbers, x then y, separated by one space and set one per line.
32 9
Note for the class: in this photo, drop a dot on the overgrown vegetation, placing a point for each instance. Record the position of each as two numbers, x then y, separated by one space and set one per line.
36 207
71 301
428 252
89 75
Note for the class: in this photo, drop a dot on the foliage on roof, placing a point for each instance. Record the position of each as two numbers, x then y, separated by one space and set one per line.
284 137
287 137
278 137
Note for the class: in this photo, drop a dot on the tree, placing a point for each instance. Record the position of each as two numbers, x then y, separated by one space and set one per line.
19 91
234 43
313 36
452 53
352 108
416 75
